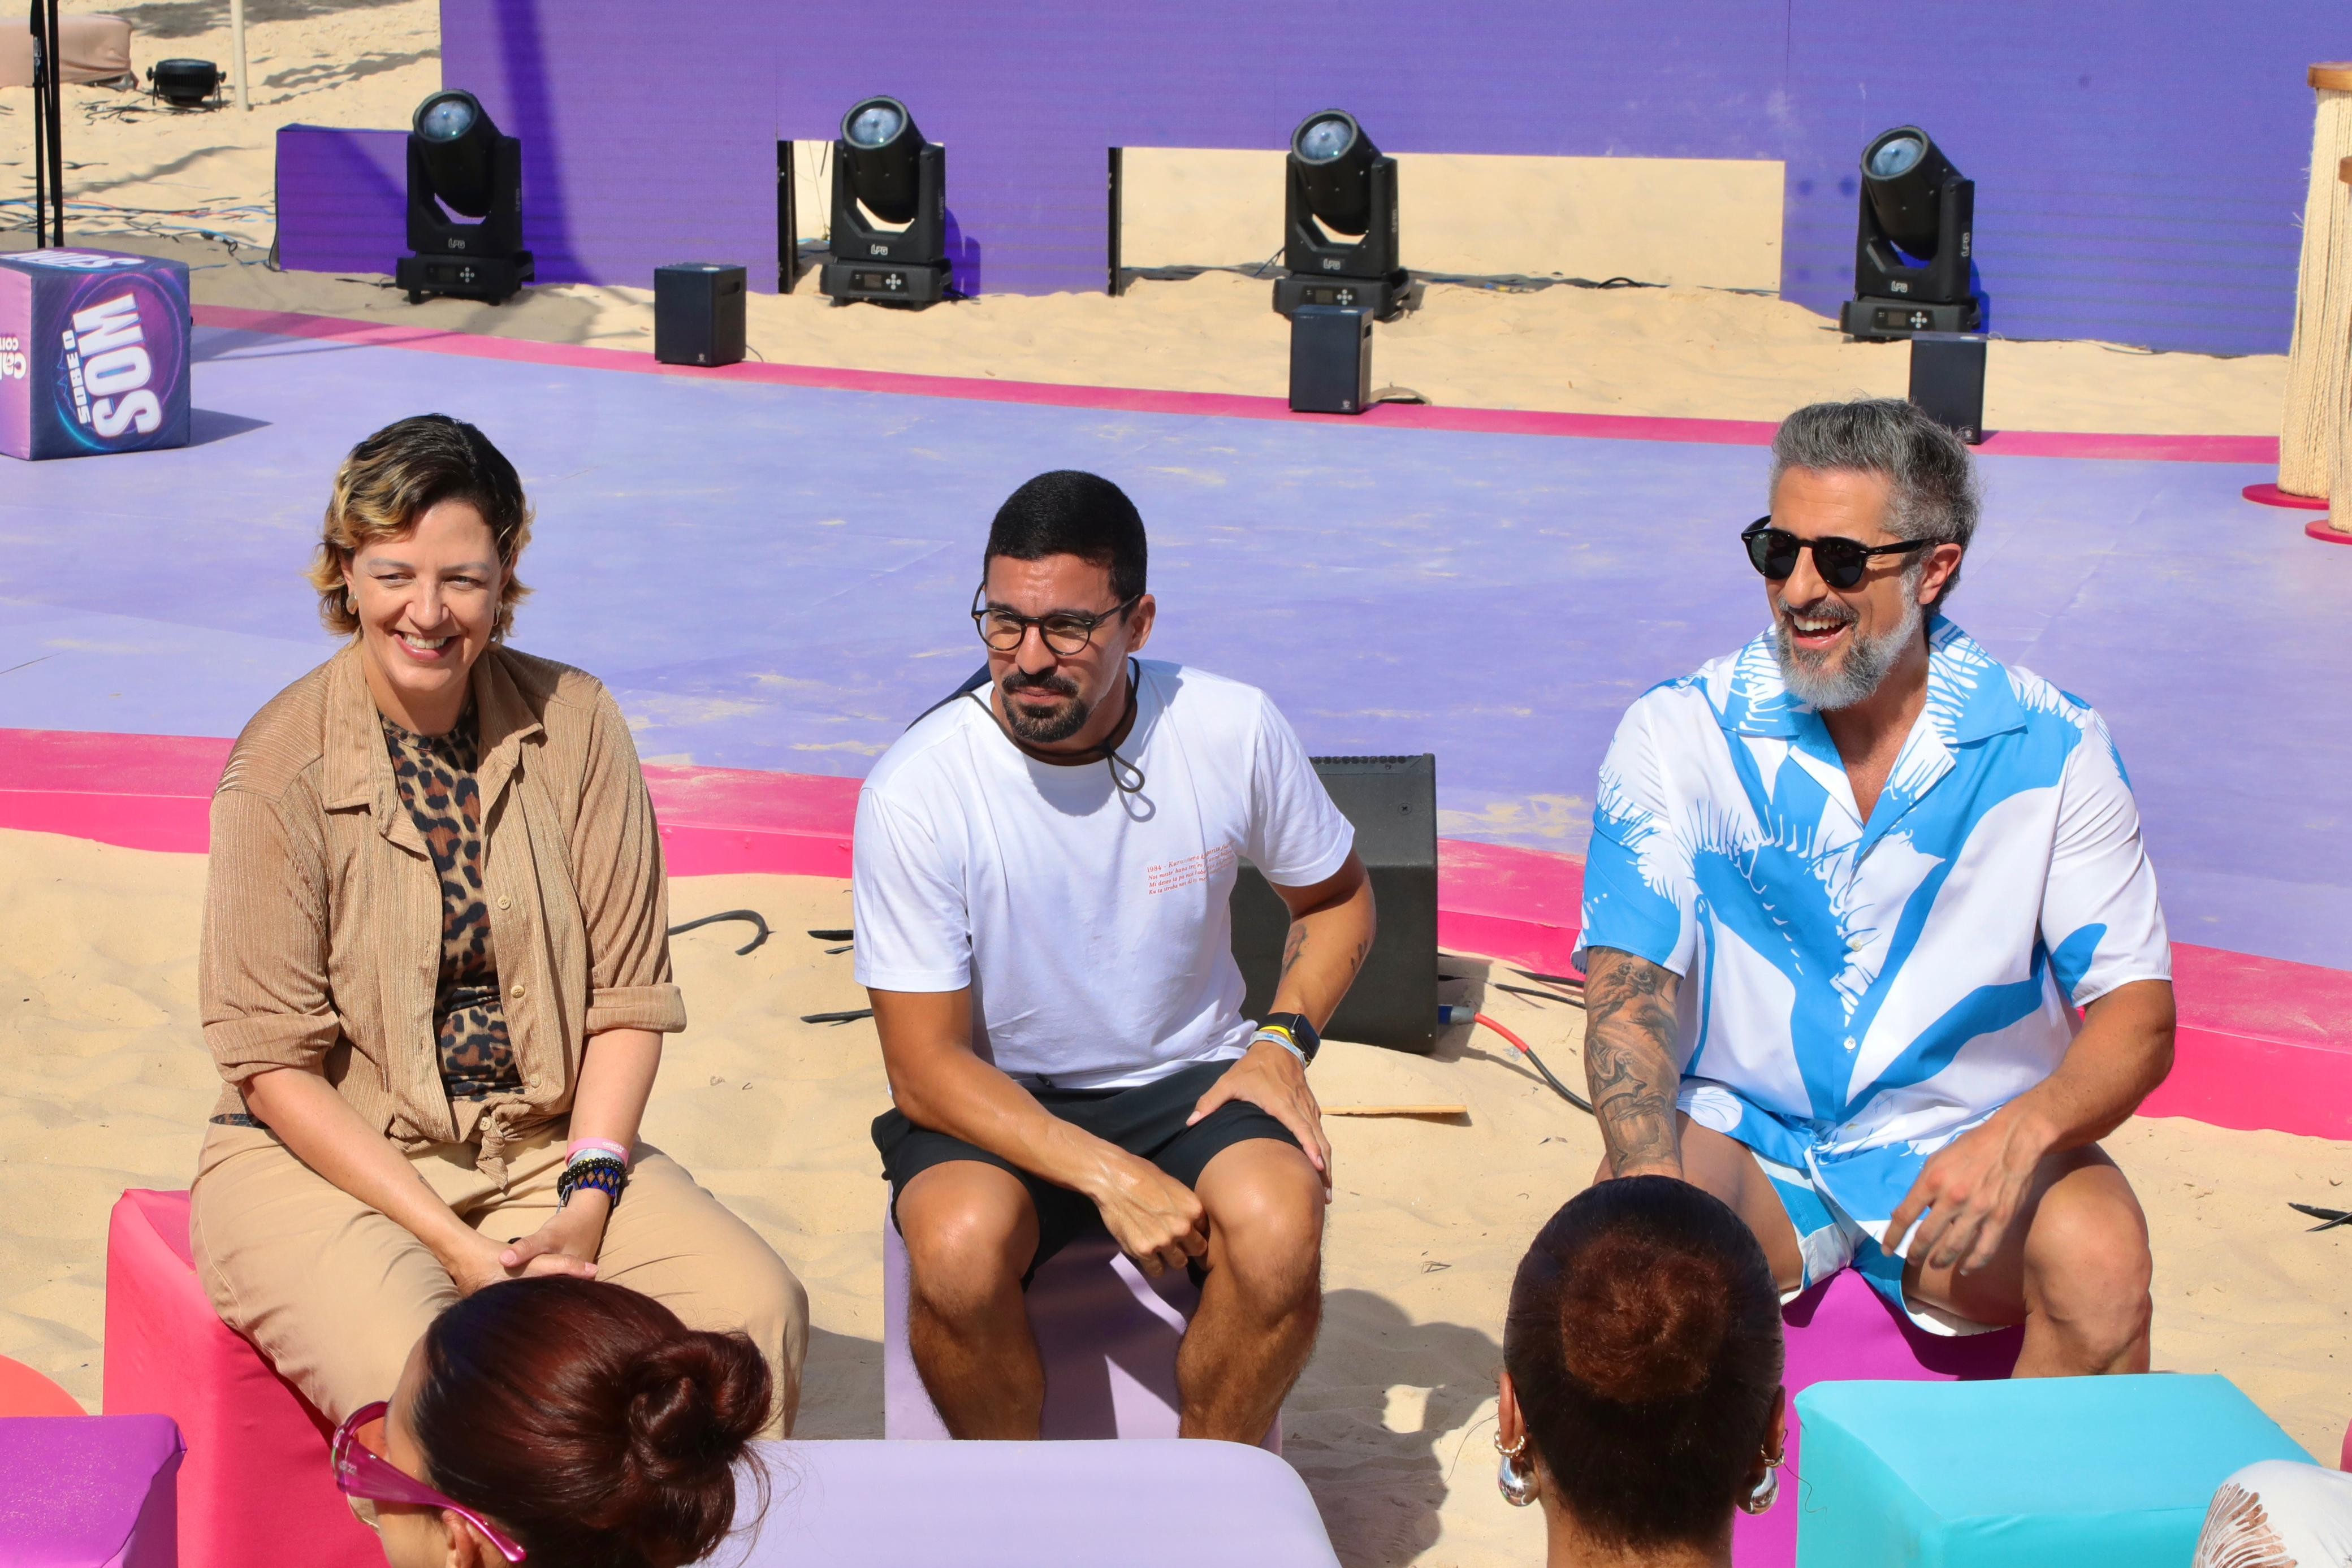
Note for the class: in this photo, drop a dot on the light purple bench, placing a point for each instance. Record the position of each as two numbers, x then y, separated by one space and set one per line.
1107 1334
1148 1503
89 1491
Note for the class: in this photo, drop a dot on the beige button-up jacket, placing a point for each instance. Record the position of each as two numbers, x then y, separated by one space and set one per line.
321 944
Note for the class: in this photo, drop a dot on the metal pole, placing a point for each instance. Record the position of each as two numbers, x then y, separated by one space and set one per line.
37 24
56 127
237 44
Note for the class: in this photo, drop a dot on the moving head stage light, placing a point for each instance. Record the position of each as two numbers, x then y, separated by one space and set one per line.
1911 260
185 84
889 210
458 163
1339 184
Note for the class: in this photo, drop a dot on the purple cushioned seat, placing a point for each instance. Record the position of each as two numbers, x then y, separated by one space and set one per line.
1106 1333
89 1491
1149 1503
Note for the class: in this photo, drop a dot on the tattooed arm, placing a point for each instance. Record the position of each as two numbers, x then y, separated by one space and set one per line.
1331 926
1629 1060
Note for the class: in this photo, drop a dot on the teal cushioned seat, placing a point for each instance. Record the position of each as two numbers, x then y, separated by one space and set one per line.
2086 1473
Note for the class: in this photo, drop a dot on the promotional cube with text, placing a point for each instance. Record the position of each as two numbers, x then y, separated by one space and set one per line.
93 353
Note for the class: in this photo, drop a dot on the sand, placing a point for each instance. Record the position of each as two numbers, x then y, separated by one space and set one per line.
109 1087
1677 352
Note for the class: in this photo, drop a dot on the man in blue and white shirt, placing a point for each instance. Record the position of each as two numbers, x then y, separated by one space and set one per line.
1847 888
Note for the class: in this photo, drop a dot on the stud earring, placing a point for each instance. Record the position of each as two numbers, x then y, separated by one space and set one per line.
1518 1486
1767 1491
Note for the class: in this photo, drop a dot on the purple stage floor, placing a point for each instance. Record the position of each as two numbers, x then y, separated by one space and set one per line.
775 577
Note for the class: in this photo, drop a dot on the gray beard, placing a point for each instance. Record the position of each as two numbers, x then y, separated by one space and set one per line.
1829 687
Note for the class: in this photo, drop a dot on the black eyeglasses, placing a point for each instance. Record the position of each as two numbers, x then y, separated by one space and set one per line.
1842 562
1067 632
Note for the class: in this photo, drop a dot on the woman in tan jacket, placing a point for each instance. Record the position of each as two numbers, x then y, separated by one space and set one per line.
435 970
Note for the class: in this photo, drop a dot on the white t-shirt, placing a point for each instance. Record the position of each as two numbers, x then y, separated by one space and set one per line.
1091 924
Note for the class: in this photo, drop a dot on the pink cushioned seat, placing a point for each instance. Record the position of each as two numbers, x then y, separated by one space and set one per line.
1840 1331
1108 1335
255 1487
88 1492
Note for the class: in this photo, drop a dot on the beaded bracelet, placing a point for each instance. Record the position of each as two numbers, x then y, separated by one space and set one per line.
600 1171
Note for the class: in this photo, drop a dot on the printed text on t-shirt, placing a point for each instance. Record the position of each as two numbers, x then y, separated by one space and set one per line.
1169 875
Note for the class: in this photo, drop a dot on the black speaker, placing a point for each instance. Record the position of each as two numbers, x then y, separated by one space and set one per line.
1331 359
1947 375
698 313
1392 802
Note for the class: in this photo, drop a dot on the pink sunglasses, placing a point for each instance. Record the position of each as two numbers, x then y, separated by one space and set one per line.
360 1471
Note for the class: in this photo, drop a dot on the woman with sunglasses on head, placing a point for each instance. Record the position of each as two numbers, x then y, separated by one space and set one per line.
1641 1399
558 1422
435 970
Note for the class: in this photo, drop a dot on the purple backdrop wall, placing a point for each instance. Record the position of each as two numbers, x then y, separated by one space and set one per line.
2139 166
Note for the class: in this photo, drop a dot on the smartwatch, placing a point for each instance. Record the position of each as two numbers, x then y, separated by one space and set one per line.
1293 1030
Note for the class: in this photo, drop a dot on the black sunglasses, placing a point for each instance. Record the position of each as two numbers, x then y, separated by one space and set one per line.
1842 562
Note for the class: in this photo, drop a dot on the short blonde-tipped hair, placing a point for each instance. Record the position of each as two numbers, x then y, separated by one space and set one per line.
395 477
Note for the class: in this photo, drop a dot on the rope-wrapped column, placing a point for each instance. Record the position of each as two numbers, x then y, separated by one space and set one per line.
2338 425
2319 362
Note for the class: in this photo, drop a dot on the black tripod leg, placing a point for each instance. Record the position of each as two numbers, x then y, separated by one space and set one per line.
56 127
35 23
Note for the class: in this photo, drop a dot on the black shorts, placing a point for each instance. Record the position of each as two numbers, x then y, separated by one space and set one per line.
1146 1121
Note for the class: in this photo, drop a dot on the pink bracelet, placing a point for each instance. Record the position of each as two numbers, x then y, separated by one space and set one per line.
596 1145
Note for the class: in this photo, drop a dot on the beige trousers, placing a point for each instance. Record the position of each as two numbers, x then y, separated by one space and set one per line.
336 1295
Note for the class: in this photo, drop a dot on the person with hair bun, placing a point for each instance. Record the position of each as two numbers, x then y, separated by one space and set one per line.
560 1422
1641 1399
435 968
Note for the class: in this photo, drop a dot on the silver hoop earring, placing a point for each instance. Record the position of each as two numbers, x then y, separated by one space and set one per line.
1517 1486
1767 1491
350 603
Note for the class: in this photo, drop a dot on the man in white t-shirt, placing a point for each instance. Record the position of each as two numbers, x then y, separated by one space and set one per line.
1043 865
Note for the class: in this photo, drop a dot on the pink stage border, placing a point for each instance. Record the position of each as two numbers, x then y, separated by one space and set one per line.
1223 405
2263 1043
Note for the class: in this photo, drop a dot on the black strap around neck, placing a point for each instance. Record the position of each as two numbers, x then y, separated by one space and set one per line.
1105 753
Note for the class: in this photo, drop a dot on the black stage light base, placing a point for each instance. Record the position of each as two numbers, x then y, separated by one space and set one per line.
481 260
1947 377
885 282
1330 360
1392 802
492 280
1882 319
886 265
1386 298
698 313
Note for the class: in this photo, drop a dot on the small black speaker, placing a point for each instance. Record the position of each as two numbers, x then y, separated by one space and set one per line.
1392 802
698 313
1331 359
1948 371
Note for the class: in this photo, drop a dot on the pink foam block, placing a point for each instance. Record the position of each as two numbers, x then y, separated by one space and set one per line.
88 1492
1150 1504
1108 1335
1842 1330
255 1487
24 1392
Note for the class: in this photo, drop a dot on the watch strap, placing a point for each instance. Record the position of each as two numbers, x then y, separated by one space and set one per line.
1294 1030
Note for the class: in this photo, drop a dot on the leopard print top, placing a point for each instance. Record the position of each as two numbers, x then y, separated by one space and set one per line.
436 774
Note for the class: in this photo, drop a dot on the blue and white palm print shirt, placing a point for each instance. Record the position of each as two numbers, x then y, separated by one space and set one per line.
1867 991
